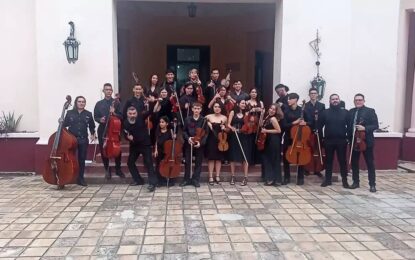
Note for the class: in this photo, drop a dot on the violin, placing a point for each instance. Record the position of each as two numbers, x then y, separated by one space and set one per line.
359 139
200 132
250 123
261 137
229 105
62 166
223 144
199 92
299 152
170 166
316 163
112 131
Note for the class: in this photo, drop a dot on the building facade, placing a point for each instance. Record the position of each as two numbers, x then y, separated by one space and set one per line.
367 47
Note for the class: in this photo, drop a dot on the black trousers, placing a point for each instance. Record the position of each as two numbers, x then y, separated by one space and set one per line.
369 158
271 159
105 160
135 152
286 163
198 154
82 152
340 150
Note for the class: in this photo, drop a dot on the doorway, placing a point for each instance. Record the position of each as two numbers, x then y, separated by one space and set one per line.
182 58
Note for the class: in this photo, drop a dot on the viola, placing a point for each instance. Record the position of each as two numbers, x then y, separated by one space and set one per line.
223 144
229 105
62 166
170 166
148 121
316 163
299 152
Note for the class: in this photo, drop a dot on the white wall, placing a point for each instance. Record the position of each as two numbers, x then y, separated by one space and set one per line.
406 6
359 46
94 25
18 85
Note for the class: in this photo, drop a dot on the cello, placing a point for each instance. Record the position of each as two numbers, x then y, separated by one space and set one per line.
112 141
62 166
299 151
170 166
316 163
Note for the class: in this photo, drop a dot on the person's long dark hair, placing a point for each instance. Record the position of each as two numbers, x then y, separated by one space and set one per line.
257 96
75 107
222 108
237 109
165 119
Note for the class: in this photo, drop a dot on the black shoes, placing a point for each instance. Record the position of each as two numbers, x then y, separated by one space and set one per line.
196 183
136 183
319 174
345 184
185 183
286 181
326 183
300 181
355 185
120 174
372 188
82 183
151 188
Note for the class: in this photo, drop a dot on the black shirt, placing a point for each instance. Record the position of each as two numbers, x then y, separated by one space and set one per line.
242 96
190 125
189 100
334 121
290 115
170 87
138 103
366 117
102 109
283 102
78 123
312 110
138 130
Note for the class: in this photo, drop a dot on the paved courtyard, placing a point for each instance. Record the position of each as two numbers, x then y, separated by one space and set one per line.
219 222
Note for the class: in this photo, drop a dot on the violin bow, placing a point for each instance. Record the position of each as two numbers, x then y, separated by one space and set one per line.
354 133
240 146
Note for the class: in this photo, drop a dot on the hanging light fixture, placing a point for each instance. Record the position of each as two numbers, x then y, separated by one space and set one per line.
191 9
71 45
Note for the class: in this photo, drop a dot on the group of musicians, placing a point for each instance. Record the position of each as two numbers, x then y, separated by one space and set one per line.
222 123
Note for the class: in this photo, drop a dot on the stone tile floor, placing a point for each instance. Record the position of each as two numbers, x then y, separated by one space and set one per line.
219 222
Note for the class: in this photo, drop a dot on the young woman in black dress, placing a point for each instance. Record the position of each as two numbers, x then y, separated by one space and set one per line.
239 151
217 123
271 156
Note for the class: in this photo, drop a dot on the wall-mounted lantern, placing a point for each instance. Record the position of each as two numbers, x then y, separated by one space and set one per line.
191 9
71 45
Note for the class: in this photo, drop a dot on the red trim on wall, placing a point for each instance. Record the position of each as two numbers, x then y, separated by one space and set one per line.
17 154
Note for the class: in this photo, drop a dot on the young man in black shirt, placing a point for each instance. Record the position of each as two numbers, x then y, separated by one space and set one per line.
189 132
292 117
362 118
79 120
136 133
334 121
102 111
314 108
282 100
238 94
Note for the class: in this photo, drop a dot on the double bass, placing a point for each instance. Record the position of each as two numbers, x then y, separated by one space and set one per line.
299 152
112 141
316 163
170 166
62 166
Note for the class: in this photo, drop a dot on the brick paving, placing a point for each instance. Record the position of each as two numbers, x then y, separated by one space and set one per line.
212 222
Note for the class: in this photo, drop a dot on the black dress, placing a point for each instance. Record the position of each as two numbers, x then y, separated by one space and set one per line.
235 153
271 156
212 152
